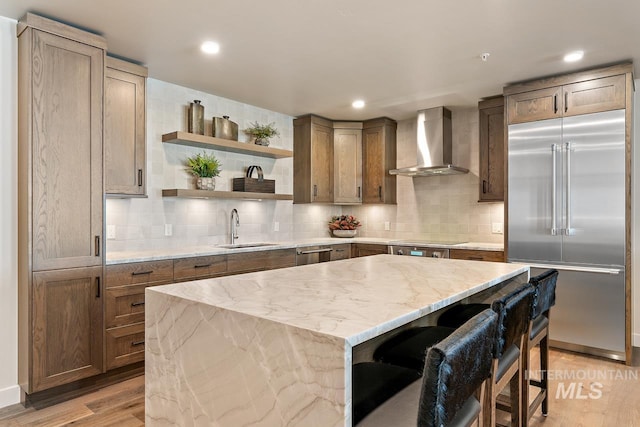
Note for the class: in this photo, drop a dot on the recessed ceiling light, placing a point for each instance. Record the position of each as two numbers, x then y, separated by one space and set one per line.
574 56
210 47
358 103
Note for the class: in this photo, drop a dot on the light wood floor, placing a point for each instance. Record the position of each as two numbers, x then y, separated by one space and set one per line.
619 404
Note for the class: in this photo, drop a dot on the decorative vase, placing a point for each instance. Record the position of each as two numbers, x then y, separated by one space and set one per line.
206 184
262 141
344 233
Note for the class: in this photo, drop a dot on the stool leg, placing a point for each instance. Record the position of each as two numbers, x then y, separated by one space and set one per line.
544 366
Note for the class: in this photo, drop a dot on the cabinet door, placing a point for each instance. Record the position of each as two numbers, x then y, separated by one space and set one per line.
347 164
366 249
67 326
378 156
476 255
124 131
321 163
535 105
594 96
66 122
492 154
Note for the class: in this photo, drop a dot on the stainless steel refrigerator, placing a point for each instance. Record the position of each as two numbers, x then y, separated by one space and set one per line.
566 210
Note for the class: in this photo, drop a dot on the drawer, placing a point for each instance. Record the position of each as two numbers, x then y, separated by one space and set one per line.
469 254
260 260
340 252
125 345
124 305
137 273
199 267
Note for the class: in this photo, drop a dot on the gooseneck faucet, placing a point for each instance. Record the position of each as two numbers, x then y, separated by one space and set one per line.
235 223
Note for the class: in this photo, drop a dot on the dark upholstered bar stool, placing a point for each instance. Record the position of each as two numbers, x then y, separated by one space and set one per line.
545 297
455 371
513 312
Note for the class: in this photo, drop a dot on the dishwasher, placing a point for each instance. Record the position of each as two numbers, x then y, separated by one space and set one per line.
322 253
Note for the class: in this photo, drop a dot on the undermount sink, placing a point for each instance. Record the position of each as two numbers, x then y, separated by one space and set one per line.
245 245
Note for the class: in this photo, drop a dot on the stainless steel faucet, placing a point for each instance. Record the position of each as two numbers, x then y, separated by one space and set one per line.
235 223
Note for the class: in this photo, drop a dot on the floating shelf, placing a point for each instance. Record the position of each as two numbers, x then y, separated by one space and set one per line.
201 141
206 194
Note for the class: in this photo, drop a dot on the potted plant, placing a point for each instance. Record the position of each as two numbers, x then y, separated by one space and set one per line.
262 133
205 167
344 225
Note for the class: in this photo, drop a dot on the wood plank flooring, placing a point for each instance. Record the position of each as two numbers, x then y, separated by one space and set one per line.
618 405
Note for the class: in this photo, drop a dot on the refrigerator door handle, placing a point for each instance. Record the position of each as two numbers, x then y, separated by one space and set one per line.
576 268
568 231
554 196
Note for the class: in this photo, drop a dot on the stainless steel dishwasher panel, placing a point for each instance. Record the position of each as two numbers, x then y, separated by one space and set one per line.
313 255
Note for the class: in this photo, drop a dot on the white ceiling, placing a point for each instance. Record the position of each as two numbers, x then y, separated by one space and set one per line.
316 56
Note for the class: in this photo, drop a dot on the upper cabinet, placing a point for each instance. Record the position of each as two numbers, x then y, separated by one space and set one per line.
312 160
569 95
378 156
492 129
125 128
347 162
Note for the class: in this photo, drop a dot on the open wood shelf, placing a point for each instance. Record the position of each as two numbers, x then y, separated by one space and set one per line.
201 141
206 194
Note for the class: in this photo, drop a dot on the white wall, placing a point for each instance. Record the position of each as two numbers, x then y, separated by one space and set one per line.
9 390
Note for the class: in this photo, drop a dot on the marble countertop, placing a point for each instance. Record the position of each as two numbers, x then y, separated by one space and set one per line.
193 251
354 299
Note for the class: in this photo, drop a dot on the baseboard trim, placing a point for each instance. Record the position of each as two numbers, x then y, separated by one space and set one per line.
9 396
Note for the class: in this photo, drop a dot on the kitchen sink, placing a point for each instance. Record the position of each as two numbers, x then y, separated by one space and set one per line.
245 245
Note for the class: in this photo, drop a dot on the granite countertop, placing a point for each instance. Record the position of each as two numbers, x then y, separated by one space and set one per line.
193 251
353 299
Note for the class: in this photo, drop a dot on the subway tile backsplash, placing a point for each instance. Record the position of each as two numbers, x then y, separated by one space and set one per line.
440 207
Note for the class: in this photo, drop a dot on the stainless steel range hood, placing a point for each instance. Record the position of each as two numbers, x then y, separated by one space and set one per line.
434 146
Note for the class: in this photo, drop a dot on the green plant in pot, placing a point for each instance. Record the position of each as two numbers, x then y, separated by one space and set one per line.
205 167
262 133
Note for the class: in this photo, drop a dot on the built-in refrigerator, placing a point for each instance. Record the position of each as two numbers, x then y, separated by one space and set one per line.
566 210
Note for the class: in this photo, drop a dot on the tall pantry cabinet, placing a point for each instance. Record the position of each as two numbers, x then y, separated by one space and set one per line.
60 202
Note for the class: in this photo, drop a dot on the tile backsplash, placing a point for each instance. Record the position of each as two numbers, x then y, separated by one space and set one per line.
428 208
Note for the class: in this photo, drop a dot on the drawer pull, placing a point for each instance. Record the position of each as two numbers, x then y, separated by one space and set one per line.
140 273
136 343
475 258
136 304
202 266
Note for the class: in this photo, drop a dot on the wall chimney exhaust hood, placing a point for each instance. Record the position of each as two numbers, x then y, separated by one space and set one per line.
434 146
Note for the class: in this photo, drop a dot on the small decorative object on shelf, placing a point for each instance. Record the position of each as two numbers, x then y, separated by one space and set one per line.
344 225
262 133
195 122
205 167
224 128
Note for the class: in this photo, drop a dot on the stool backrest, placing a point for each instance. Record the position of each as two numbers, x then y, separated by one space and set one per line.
455 368
545 297
514 311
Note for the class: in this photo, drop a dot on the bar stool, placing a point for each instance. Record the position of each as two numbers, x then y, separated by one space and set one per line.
545 297
455 371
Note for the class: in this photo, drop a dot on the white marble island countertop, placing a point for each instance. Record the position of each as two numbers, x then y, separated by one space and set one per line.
354 299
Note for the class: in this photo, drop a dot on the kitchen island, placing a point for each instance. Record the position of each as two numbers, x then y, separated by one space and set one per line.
275 348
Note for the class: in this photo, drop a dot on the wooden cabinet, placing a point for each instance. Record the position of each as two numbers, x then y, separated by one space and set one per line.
125 128
583 93
199 267
312 160
67 329
339 252
347 162
367 249
476 255
135 273
125 345
492 130
378 156
60 203
260 260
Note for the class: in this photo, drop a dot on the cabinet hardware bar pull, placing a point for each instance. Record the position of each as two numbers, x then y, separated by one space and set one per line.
134 343
484 186
136 304
139 177
568 231
475 258
554 196
315 190
555 104
202 266
315 251
380 191
97 245
566 101
140 273
359 192
97 287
